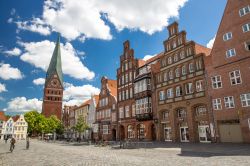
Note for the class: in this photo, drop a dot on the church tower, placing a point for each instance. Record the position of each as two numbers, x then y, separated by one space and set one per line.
53 88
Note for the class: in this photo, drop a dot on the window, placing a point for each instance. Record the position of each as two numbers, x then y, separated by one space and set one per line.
201 110
127 114
127 95
178 90
159 78
227 36
199 86
133 110
189 51
217 104
199 64
177 72
182 54
229 102
121 113
230 53
216 82
161 95
191 67
170 93
165 115
126 66
174 44
245 100
105 129
130 132
171 75
246 27
175 57
120 96
189 88
181 113
247 45
130 64
165 76
126 78
130 76
169 60
131 93
184 70
143 105
244 11
235 77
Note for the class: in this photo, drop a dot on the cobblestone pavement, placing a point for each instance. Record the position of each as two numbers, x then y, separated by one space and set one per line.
64 154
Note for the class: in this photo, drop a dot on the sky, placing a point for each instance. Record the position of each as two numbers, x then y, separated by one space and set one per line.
92 35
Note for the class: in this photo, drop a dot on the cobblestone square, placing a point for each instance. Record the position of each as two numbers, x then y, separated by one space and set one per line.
64 154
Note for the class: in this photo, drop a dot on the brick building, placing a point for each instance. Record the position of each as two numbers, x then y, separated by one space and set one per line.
53 88
228 76
182 104
106 111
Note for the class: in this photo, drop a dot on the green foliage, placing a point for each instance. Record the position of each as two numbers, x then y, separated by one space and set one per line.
81 125
38 123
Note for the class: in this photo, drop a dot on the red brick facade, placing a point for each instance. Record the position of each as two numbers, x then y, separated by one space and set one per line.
228 76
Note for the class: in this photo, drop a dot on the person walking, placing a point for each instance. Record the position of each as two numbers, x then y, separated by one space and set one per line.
12 144
6 139
27 143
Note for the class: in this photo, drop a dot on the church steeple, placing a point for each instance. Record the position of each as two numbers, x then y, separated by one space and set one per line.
55 66
53 88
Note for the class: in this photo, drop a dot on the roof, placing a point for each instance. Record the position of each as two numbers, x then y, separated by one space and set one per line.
154 58
85 103
202 49
55 65
112 86
2 116
15 118
141 62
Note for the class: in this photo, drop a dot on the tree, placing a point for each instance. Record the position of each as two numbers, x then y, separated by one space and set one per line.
32 119
81 125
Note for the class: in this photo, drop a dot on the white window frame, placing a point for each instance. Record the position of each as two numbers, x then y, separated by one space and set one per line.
217 104
227 36
170 60
177 72
121 112
245 100
235 78
105 129
162 95
200 86
229 102
127 112
243 11
246 27
178 91
215 82
170 93
191 67
171 74
230 53
189 88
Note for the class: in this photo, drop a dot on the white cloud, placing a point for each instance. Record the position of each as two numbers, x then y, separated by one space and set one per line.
21 104
35 25
14 52
75 95
39 81
211 43
13 11
147 57
83 18
7 72
2 88
39 55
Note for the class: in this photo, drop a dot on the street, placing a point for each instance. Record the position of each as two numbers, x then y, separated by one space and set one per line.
73 154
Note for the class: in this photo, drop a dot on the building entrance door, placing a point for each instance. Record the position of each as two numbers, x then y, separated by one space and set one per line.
230 133
167 134
184 134
204 133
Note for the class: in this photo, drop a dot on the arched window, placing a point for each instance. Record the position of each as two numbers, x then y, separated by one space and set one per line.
130 132
201 110
169 60
181 113
141 131
177 72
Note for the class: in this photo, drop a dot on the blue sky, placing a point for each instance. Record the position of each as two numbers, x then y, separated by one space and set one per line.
92 37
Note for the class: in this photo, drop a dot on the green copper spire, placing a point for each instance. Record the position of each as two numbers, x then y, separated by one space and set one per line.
55 66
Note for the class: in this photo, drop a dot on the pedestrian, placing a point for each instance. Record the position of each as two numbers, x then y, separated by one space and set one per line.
6 139
27 143
12 144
